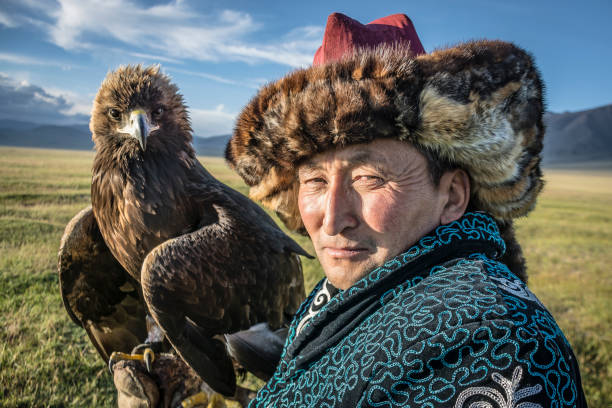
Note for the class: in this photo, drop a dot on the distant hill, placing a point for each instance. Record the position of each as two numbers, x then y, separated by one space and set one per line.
578 136
13 133
211 146
17 124
78 137
571 137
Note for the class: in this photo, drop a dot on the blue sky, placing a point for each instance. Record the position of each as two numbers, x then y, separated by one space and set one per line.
54 54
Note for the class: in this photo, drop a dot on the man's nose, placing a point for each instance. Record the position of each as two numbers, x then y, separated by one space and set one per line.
340 211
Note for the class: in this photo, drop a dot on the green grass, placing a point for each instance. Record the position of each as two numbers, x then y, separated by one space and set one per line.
47 361
568 245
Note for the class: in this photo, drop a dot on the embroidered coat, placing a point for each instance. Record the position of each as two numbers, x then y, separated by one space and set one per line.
441 325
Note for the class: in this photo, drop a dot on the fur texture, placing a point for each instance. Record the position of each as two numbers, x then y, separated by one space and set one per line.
478 105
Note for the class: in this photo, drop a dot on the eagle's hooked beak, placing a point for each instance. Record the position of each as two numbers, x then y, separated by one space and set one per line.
139 127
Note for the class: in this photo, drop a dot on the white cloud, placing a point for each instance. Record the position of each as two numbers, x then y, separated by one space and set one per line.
151 57
21 100
212 77
282 53
78 104
174 31
27 60
212 122
7 21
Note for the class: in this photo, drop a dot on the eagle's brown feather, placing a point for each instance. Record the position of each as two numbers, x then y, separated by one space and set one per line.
97 292
207 256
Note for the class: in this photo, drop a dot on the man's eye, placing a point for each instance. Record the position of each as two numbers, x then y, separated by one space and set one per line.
312 182
368 180
315 180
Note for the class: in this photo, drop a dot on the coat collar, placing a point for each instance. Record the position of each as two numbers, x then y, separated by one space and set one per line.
474 232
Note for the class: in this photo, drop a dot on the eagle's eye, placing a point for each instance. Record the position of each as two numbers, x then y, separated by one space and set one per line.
158 112
115 114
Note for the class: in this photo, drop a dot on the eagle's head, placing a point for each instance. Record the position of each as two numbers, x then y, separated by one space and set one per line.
138 109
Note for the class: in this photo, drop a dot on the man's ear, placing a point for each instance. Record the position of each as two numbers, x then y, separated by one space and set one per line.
455 187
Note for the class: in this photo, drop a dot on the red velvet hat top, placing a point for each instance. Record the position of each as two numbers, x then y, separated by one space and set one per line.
343 35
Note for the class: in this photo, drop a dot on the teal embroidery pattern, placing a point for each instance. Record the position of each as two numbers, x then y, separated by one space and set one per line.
424 329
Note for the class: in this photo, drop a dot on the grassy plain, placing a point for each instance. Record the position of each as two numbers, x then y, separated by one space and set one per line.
46 361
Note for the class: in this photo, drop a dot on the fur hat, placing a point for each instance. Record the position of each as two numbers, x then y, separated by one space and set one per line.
478 105
343 36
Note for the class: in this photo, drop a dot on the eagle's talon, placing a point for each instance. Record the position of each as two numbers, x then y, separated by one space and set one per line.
148 357
114 357
156 346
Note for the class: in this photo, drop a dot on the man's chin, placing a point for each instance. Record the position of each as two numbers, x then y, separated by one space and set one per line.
343 274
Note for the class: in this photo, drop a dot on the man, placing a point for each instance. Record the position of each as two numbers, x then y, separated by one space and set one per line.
377 151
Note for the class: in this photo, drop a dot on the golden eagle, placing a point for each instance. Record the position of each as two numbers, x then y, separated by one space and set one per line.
164 238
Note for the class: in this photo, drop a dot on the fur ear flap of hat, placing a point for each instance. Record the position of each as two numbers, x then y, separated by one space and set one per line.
478 105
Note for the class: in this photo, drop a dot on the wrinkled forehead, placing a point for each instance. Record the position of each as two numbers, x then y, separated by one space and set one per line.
385 154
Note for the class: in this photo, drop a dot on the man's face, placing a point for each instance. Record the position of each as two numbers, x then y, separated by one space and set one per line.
365 204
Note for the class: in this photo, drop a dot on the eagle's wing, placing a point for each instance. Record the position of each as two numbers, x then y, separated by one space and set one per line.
97 292
226 276
258 349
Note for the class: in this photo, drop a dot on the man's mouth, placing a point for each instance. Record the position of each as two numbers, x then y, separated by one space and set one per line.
345 252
